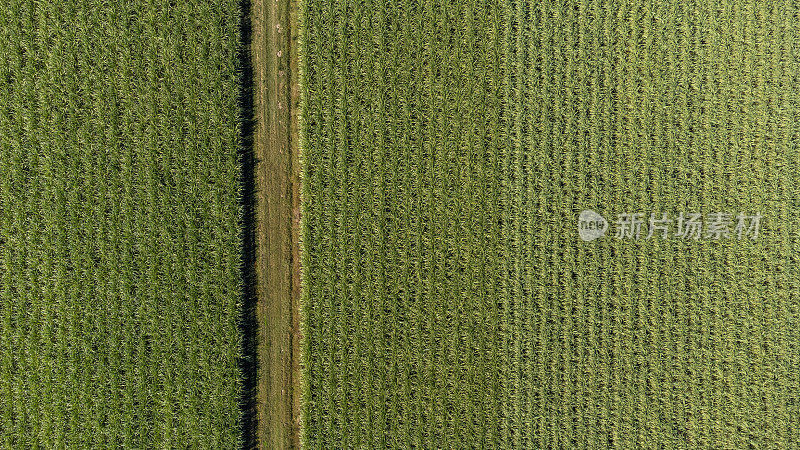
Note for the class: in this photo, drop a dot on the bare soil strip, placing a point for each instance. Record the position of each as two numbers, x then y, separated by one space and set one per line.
275 92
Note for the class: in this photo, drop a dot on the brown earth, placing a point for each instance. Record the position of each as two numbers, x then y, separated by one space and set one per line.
274 59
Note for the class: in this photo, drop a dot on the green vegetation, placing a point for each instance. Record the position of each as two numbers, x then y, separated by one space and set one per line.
120 235
448 148
401 151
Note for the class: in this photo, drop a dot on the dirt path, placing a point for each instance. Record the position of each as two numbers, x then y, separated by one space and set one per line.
274 57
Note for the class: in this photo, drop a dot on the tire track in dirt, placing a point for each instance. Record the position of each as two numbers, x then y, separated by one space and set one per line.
274 59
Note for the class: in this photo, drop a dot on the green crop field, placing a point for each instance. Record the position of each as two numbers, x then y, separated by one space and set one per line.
523 224
448 148
120 234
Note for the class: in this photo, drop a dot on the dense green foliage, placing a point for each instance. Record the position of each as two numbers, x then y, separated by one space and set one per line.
401 270
448 148
119 224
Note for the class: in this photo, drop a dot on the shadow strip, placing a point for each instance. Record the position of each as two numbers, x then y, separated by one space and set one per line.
248 364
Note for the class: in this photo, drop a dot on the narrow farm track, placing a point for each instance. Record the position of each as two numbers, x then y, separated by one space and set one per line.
274 63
